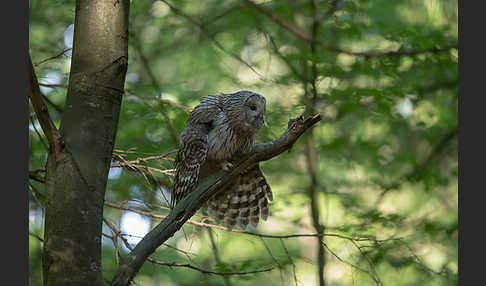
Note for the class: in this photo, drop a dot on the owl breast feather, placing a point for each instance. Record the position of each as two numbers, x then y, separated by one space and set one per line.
224 142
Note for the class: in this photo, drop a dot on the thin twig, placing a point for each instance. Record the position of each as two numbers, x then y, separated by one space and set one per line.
41 139
142 159
370 262
160 100
205 271
378 282
287 62
320 235
207 225
53 57
280 268
38 196
291 261
227 280
146 171
36 236
159 216
175 264
51 85
33 175
56 107
174 104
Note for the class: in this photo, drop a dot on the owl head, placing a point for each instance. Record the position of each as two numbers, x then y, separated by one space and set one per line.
251 109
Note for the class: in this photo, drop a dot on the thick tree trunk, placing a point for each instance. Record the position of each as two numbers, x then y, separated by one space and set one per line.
77 172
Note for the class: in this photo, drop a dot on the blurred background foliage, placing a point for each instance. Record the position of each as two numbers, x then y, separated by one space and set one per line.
382 73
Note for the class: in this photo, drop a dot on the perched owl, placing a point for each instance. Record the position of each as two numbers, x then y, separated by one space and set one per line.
220 130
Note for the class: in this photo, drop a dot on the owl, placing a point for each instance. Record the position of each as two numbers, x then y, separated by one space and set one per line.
220 130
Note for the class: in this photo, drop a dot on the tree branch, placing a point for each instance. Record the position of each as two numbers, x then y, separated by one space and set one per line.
56 107
33 175
207 188
53 57
38 133
205 271
311 153
117 234
154 215
52 134
36 236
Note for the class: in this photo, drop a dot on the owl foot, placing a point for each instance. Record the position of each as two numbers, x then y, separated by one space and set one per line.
227 166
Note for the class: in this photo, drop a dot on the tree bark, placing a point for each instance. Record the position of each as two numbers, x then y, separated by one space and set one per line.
76 173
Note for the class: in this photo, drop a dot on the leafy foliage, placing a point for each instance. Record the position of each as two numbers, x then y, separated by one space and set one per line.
386 175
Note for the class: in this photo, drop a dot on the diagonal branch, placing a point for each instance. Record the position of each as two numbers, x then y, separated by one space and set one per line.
37 132
52 134
38 237
207 188
33 175
53 57
55 106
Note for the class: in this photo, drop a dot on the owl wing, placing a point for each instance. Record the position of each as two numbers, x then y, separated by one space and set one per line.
244 200
194 147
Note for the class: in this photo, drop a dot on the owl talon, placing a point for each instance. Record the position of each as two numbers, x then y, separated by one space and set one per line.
227 166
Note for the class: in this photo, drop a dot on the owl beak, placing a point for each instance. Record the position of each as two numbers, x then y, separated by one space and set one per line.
261 117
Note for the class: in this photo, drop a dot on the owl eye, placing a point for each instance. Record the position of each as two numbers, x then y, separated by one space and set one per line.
253 107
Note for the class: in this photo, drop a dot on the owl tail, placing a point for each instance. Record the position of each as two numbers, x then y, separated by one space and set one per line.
243 201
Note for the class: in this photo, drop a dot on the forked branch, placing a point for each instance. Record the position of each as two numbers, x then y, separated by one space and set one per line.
207 188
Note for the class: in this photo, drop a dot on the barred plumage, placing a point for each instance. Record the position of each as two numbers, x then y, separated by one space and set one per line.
220 129
243 201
